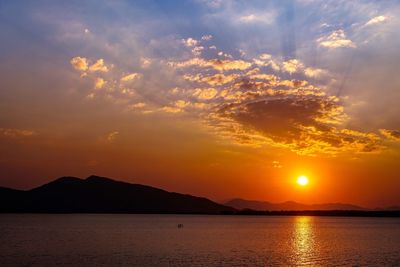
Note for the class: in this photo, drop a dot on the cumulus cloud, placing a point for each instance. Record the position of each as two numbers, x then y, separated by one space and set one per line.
306 125
213 80
336 39
266 60
190 42
207 93
248 102
181 103
206 37
292 65
376 20
80 63
251 107
197 50
99 83
99 66
315 72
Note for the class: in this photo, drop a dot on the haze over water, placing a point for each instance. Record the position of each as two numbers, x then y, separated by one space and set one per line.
155 240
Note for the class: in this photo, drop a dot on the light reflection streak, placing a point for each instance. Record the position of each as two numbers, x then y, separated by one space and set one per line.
303 240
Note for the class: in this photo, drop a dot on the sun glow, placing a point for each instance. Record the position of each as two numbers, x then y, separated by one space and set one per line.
302 180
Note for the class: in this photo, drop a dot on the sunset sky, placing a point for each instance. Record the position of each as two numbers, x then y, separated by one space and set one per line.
214 98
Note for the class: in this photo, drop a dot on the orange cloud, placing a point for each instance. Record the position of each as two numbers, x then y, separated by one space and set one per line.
216 79
80 63
221 65
292 65
99 83
207 93
390 134
99 66
131 77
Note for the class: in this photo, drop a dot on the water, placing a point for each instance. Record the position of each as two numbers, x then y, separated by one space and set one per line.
155 240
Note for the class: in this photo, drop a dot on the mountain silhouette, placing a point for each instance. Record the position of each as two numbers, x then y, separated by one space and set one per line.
103 195
242 204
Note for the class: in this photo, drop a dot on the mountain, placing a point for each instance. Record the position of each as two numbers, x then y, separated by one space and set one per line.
103 195
241 204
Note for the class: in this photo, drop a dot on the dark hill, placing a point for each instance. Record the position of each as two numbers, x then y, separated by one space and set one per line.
103 195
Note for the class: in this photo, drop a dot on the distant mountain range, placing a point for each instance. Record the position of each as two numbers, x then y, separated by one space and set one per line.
241 204
103 195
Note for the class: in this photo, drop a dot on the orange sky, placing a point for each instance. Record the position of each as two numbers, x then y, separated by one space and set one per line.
223 100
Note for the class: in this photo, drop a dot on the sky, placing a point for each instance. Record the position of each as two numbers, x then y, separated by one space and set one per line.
213 98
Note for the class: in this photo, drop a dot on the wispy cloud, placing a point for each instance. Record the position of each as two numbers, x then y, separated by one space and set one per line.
376 20
267 18
16 133
336 39
131 77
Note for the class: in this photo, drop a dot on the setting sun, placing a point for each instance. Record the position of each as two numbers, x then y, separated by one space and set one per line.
302 180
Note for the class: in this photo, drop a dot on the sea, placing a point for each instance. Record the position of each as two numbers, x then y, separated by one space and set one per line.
197 240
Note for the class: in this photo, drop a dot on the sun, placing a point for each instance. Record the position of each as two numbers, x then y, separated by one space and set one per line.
302 180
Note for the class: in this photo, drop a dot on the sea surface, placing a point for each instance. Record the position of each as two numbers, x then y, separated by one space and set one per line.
156 240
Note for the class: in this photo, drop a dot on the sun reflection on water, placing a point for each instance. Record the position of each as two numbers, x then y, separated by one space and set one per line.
303 240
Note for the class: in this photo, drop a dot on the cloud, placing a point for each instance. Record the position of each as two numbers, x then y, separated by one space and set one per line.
181 103
111 137
80 63
197 50
315 72
131 77
390 134
250 101
266 60
376 20
205 94
276 164
292 65
145 62
206 37
171 109
99 83
138 105
99 66
213 80
336 39
16 133
307 125
221 65
190 42
266 18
